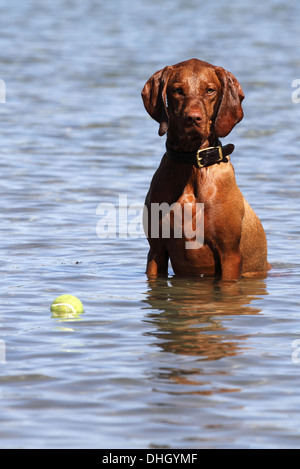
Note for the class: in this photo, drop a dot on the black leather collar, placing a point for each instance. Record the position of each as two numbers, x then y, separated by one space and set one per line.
202 158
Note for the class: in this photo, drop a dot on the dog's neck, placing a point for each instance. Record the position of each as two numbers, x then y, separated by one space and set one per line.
204 155
191 144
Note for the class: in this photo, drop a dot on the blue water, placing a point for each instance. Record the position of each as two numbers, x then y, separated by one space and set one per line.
179 363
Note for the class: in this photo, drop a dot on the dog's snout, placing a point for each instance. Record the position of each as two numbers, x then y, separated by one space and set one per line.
194 116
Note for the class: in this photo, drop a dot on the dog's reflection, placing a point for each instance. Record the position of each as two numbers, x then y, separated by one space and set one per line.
194 316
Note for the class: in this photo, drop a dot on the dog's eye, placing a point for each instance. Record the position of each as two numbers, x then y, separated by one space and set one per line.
210 91
178 90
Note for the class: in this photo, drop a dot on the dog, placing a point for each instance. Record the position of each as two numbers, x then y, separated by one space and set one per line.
195 104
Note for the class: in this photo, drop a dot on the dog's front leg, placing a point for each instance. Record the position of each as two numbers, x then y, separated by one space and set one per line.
157 263
231 265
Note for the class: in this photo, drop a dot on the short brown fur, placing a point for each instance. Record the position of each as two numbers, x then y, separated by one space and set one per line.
196 103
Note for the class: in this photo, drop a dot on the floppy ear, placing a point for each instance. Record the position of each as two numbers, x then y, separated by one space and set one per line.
230 110
155 100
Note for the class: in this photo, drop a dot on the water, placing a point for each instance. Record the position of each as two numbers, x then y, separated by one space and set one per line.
178 363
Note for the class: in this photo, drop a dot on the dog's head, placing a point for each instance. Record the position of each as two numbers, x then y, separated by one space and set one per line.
194 100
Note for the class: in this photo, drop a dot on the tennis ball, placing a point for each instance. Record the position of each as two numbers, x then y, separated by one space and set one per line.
67 306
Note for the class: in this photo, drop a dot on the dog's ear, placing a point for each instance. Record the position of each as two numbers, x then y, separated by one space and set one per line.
230 110
155 99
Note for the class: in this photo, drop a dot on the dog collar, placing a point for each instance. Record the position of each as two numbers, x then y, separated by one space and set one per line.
202 158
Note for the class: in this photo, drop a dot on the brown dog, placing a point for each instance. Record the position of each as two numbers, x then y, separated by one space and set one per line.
196 104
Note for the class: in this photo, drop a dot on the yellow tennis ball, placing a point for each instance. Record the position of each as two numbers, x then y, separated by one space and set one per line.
67 305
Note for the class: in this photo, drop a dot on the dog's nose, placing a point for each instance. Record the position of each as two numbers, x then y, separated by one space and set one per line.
193 117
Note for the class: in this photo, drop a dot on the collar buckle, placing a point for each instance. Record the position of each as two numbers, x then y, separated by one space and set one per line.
200 158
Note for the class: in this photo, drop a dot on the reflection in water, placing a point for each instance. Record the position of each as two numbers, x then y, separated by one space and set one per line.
189 319
64 316
188 314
